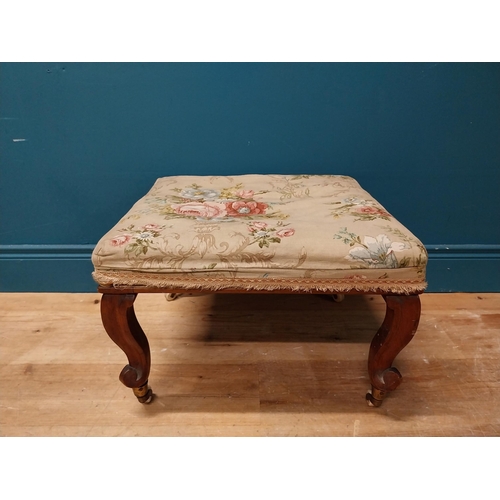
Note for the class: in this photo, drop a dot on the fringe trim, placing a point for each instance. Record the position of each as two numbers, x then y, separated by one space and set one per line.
118 279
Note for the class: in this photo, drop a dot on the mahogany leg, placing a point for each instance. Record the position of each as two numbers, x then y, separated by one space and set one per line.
397 330
120 323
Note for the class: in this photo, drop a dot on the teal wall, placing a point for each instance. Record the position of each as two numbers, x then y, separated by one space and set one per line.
81 142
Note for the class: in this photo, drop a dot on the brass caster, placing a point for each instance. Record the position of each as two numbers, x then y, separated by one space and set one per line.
375 397
338 297
143 394
172 296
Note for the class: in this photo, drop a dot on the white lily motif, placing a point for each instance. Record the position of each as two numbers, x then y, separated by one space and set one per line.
378 252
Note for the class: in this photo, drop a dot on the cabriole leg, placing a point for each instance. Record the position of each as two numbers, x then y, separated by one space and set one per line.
397 330
120 323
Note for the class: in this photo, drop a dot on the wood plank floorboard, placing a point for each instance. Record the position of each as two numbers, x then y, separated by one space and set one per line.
247 365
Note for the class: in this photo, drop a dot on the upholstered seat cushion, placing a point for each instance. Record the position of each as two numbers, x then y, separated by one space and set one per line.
262 232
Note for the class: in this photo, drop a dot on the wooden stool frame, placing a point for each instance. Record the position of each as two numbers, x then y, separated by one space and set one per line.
397 330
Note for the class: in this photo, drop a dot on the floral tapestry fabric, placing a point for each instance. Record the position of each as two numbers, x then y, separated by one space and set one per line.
259 227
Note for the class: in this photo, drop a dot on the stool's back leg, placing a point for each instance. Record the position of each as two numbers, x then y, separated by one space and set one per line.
397 330
120 322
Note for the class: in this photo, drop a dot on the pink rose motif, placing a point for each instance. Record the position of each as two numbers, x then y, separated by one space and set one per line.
372 211
258 226
285 233
206 210
243 208
151 227
245 193
120 240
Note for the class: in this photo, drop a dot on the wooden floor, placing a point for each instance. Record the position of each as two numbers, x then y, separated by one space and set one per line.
247 365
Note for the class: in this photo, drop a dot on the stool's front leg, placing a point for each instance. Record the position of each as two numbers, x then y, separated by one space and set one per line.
397 330
120 322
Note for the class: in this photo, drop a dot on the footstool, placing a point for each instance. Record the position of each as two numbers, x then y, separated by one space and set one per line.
311 234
